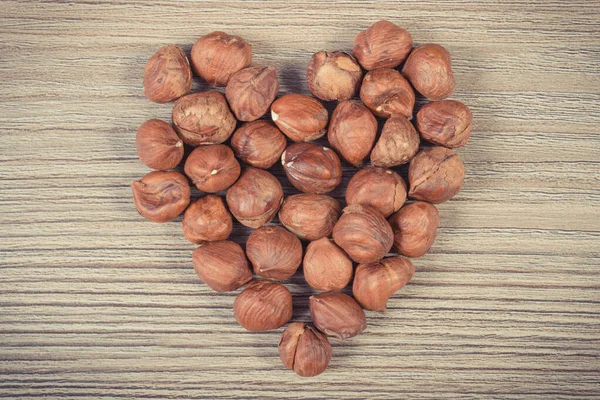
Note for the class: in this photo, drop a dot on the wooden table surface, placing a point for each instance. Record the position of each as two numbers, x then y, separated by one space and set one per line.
97 302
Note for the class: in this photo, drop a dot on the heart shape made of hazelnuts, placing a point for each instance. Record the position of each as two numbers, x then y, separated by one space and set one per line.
376 218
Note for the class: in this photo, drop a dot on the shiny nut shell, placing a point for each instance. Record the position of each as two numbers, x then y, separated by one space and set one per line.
337 314
312 168
304 349
415 227
429 69
398 143
158 146
326 266
251 91
301 118
212 168
333 75
167 75
382 45
274 252
258 143
447 123
310 216
207 220
387 93
352 131
435 175
380 188
161 196
222 265
263 305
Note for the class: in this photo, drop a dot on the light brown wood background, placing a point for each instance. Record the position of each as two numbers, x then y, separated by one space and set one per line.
97 302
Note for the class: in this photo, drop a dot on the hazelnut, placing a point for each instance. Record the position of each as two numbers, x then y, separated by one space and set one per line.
212 168
326 266
337 314
398 143
167 75
158 146
207 220
217 56
251 91
304 349
301 118
352 131
310 216
203 118
333 76
374 283
312 168
258 143
429 69
161 196
435 175
380 188
255 198
446 122
363 233
387 93
415 227
222 265
274 252
382 45
263 305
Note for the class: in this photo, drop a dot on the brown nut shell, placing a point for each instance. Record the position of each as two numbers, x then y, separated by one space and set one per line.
212 168
415 227
312 168
217 56
374 283
352 131
429 69
207 220
263 305
251 91
255 198
158 146
161 196
333 76
203 118
258 143
304 349
301 118
386 93
447 123
167 75
326 266
435 175
337 314
380 188
274 252
222 265
398 143
382 45
363 233
310 216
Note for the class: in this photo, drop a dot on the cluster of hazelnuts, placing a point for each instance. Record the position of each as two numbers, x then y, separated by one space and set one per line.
375 219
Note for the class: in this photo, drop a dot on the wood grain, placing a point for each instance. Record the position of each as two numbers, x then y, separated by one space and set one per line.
96 302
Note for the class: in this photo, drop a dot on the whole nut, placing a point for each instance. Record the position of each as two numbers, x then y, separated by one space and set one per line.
312 168
380 188
429 69
326 266
251 91
161 196
352 131
398 143
274 252
374 283
333 76
203 118
167 75
446 122
258 143
337 314
415 227
310 216
363 233
382 45
207 220
386 93
301 118
255 198
158 146
304 349
263 305
212 168
222 265
217 56
435 175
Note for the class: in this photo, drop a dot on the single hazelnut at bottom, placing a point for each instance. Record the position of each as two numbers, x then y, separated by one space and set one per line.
263 305
337 314
304 349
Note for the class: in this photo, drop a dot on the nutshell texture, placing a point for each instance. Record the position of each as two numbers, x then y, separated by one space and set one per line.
207 220
263 305
380 188
429 69
435 175
382 45
158 146
258 143
446 122
167 75
212 168
333 76
274 252
301 118
312 168
304 349
203 118
352 131
398 143
222 265
251 91
415 227
310 216
326 266
337 314
386 93
161 196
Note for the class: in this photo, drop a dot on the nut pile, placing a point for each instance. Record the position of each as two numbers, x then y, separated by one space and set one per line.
236 183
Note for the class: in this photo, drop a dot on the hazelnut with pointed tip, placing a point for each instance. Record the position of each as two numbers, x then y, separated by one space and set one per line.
158 146
251 91
398 143
167 75
326 266
352 131
304 349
